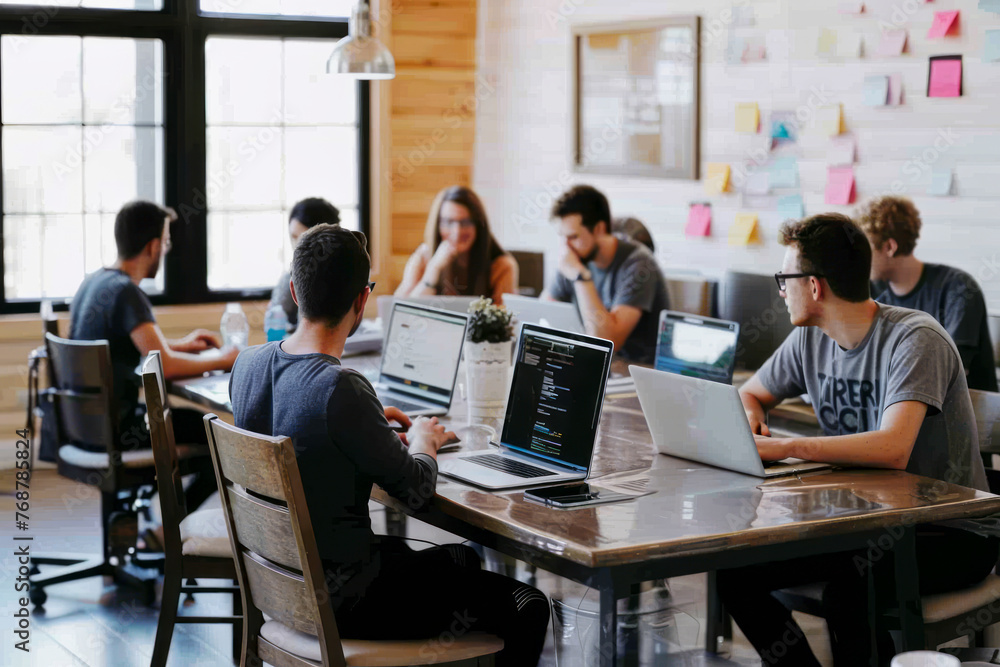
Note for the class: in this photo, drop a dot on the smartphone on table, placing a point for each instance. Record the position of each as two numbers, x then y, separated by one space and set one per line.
564 495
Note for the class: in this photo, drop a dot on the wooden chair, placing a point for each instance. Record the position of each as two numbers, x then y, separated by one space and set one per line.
288 620
531 272
90 452
195 544
695 296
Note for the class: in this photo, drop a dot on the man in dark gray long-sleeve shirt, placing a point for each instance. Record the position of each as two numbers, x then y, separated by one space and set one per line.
379 587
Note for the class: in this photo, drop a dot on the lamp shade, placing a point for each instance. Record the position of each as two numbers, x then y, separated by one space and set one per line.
359 55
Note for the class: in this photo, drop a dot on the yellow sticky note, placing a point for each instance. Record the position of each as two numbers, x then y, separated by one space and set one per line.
831 120
827 43
744 231
717 180
747 117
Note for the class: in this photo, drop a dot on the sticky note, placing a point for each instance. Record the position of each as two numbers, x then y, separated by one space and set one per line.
841 151
791 207
784 127
941 181
717 180
944 78
747 117
827 43
991 51
744 231
699 220
892 43
876 91
839 186
850 7
990 6
895 90
849 45
784 173
758 183
944 22
830 120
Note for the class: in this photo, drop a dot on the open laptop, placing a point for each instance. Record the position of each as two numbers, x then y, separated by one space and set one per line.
552 314
553 412
456 304
697 346
420 359
704 421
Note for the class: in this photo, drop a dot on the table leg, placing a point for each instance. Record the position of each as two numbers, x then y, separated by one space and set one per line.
911 615
713 615
609 625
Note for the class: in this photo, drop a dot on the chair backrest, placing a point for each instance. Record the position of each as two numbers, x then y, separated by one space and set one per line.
754 302
173 506
80 374
531 272
49 322
277 561
695 296
986 406
634 230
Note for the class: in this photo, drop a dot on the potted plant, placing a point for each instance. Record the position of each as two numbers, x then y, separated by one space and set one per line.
487 358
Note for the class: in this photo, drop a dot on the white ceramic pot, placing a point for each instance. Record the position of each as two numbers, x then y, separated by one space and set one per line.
487 373
925 659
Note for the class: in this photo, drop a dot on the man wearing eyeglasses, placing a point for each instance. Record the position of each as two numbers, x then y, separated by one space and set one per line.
889 390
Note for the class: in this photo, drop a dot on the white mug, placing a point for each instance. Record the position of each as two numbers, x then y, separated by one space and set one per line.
925 659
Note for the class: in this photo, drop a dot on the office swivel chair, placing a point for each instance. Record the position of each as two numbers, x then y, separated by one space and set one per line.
753 301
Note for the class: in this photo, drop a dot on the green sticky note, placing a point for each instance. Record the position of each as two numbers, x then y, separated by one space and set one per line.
791 207
876 90
784 173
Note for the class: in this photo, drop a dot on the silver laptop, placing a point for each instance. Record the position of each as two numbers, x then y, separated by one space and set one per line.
552 314
696 346
456 304
420 359
704 421
553 412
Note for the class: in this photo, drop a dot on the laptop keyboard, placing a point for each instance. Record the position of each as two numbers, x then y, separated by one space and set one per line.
405 406
509 466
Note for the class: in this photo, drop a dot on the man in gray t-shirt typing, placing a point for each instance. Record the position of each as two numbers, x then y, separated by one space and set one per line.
890 391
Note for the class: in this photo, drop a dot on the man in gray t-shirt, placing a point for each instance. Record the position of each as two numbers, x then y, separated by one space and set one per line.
889 390
615 282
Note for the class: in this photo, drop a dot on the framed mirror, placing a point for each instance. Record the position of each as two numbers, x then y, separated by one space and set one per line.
636 94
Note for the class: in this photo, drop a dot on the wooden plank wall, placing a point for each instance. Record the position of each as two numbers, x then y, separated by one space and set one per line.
431 116
522 155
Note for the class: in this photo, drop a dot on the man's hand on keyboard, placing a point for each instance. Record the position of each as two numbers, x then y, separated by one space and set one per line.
396 415
426 436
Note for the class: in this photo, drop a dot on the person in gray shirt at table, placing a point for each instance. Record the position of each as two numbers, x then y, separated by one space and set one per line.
379 587
304 215
615 282
889 390
950 295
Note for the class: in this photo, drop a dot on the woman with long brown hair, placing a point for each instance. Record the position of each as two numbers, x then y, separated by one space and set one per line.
459 255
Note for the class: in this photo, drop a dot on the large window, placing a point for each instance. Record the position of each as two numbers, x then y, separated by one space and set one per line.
229 120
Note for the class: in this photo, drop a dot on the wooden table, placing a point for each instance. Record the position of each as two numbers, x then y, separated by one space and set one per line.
699 519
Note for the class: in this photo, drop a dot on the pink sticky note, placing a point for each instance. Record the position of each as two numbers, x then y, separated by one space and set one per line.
839 186
895 90
943 23
699 220
893 43
945 78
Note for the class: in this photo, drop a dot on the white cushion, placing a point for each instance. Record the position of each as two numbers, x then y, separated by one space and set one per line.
203 533
385 652
133 458
949 605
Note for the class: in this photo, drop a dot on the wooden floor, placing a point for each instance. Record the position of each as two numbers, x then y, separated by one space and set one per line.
94 624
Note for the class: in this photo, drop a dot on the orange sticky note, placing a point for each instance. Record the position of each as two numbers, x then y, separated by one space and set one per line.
945 77
717 180
839 186
744 231
944 22
699 220
747 117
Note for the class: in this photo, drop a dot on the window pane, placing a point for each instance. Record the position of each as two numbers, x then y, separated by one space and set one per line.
124 163
243 81
40 79
244 167
313 97
245 249
321 160
42 255
328 8
45 14
122 81
42 169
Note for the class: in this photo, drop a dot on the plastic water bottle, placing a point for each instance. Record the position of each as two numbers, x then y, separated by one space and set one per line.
234 328
275 322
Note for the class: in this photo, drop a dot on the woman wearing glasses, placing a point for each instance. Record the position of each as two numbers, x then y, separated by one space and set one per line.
459 255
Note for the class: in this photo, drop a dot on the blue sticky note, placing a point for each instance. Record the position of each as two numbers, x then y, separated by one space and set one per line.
990 6
784 173
991 52
791 207
876 90
779 131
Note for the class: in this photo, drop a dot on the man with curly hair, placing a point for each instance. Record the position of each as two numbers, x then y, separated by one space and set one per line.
950 295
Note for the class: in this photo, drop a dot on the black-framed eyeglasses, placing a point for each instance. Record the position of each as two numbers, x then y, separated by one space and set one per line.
780 278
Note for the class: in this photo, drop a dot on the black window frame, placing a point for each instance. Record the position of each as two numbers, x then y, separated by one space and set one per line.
183 30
